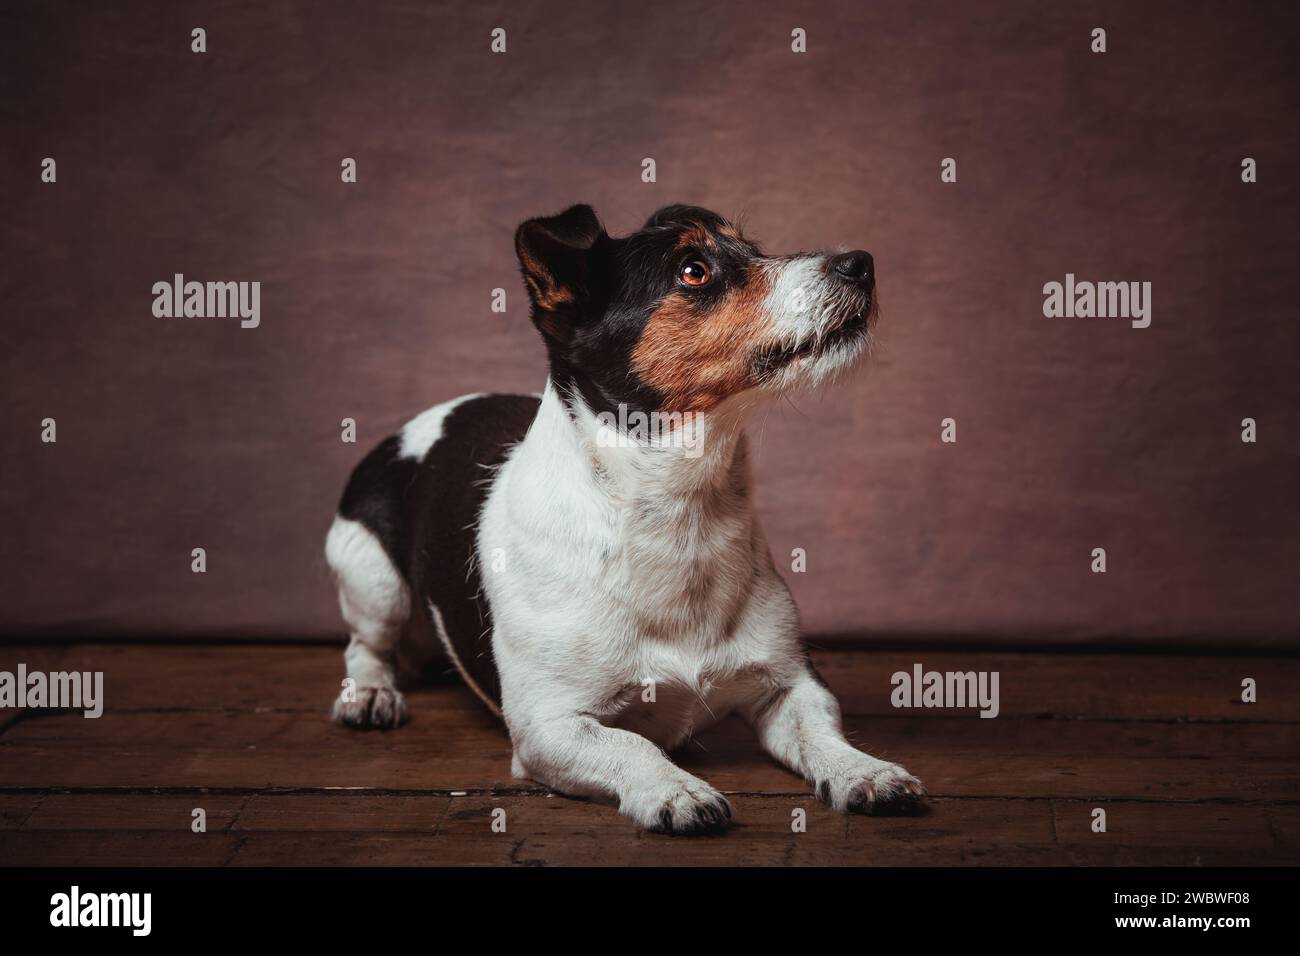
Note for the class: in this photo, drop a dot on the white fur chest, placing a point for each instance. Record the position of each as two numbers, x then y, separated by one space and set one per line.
629 585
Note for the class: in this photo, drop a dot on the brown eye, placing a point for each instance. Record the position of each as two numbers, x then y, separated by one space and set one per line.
694 273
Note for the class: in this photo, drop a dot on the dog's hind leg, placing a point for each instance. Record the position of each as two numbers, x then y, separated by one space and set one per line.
376 604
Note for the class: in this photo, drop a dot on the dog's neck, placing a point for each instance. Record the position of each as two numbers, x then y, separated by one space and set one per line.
651 457
677 513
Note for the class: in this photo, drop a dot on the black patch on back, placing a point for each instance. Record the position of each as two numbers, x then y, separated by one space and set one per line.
425 514
373 497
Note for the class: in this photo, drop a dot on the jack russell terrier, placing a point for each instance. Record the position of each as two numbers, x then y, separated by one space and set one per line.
607 590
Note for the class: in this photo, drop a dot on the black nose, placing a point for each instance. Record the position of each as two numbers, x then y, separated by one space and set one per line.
856 266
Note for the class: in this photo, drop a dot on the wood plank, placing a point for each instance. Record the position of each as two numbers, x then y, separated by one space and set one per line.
996 832
464 733
15 808
1165 824
249 751
553 831
245 677
1187 775
958 831
201 676
370 848
41 657
956 757
115 848
134 811
1099 686
557 831
1284 822
344 812
972 757
276 848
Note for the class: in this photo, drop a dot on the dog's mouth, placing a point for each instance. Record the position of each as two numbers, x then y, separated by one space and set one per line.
852 331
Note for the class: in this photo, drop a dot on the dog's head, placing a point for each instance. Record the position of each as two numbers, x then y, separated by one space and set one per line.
687 313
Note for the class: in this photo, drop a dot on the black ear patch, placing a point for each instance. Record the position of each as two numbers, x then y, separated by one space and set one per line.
553 253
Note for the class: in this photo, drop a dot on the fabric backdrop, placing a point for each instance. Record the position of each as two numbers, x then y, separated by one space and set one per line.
1072 433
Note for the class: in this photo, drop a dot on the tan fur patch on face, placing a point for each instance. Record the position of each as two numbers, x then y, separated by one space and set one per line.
697 238
696 360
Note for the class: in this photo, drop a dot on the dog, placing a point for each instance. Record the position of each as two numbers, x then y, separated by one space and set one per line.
607 590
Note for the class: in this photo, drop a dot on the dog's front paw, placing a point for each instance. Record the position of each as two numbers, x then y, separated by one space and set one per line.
380 707
686 807
875 787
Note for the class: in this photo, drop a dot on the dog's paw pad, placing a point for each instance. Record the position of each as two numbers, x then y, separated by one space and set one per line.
889 791
374 707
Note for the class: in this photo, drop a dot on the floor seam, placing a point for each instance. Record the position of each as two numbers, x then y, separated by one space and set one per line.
543 793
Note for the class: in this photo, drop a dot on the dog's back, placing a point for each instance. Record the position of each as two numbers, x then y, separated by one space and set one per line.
402 548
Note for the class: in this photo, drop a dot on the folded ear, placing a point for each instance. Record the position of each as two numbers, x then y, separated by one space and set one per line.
553 253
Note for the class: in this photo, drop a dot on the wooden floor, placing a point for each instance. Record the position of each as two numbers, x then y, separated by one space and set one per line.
1185 772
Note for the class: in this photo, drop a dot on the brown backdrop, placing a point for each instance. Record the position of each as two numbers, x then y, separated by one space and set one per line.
1072 433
